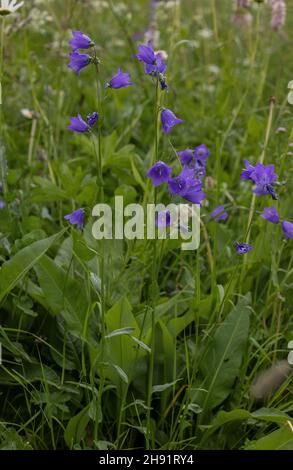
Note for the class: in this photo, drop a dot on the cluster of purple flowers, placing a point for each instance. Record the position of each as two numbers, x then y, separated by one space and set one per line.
265 178
153 63
79 61
188 183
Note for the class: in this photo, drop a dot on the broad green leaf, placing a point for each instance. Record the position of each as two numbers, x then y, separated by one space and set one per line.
119 350
63 293
76 427
221 364
14 269
281 439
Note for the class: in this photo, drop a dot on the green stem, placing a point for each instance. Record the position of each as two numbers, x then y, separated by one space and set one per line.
101 260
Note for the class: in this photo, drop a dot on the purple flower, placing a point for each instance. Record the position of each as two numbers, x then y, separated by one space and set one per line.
169 120
247 173
177 186
243 248
163 219
76 218
287 229
78 61
263 176
219 214
186 156
77 124
187 186
120 80
2 204
201 153
271 214
146 54
92 118
80 41
158 66
159 173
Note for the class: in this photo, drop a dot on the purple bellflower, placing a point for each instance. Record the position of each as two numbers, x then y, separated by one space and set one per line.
169 120
146 54
263 176
2 204
187 186
92 118
186 156
201 153
77 124
80 40
76 218
159 173
287 228
158 67
271 215
120 80
243 248
78 61
219 214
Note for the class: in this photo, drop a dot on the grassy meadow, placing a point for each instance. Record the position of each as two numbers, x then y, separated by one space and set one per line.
137 344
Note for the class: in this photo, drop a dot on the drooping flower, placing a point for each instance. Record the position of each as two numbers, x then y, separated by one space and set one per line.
287 228
2 204
219 214
201 153
78 61
158 67
80 40
263 176
77 124
271 214
146 54
92 118
159 173
186 156
169 120
187 186
247 173
243 248
7 7
76 218
120 80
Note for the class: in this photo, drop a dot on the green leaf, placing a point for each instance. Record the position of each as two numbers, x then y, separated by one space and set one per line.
76 427
163 387
281 439
121 331
14 269
119 350
221 364
63 293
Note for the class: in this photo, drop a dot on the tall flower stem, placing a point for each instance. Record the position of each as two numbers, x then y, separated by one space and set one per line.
261 160
101 261
253 200
153 290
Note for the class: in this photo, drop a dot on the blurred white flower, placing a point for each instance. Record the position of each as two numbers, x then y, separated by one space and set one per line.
9 6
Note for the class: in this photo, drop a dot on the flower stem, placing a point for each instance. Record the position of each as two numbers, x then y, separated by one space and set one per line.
101 261
153 290
261 160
